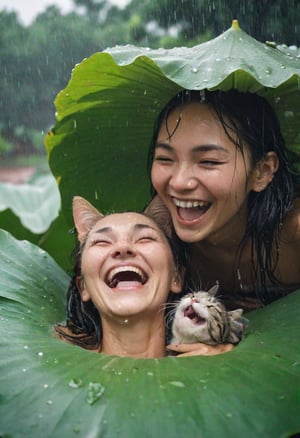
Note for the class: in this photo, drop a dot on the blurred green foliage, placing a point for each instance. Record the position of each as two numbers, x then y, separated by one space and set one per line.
36 61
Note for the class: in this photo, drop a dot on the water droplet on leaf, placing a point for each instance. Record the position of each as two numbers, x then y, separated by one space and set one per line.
75 383
95 391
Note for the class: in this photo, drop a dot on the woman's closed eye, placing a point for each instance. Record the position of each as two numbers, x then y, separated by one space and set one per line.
163 159
146 239
211 163
100 242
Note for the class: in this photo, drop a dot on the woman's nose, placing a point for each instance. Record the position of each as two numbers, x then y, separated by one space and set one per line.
183 179
123 249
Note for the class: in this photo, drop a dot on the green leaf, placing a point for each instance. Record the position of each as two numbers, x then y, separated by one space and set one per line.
49 388
31 212
105 116
37 203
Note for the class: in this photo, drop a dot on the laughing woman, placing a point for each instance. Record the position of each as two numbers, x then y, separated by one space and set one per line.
125 272
220 168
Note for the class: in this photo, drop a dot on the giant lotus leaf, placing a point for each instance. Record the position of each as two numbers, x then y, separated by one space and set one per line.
51 389
105 116
31 211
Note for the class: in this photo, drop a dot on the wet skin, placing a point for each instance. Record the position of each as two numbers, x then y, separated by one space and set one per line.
201 177
204 181
127 267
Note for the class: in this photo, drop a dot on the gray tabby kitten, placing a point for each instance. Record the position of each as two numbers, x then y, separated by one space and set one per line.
201 317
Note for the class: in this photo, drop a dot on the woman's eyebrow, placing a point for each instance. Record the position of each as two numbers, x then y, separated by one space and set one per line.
197 148
104 230
165 146
208 148
139 226
144 226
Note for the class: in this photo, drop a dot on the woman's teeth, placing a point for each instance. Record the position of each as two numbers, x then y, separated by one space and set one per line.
190 204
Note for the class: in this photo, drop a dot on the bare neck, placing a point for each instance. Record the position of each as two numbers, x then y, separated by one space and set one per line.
132 337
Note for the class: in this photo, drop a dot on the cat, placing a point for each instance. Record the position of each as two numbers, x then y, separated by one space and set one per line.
201 317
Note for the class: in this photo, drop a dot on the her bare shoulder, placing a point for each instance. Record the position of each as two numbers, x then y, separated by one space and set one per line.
291 225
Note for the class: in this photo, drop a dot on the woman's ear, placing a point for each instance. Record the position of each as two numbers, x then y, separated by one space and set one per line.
85 216
177 281
85 296
264 171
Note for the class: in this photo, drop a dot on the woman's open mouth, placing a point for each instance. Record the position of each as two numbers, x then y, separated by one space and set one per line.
124 277
190 211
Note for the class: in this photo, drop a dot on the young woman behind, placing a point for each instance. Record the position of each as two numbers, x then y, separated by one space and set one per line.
220 168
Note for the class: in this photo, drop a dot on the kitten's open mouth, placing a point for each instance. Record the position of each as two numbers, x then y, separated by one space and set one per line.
193 316
126 276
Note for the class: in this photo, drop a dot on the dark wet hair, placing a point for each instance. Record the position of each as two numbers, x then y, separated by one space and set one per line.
83 322
249 120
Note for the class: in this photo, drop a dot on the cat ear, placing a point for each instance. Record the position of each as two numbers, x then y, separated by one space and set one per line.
213 290
85 216
235 314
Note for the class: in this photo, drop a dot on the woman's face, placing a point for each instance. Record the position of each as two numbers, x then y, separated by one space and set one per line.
200 175
127 266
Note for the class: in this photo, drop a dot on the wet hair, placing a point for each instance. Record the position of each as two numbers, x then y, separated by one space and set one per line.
249 121
83 322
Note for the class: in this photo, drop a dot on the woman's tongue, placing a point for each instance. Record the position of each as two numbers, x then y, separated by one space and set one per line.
191 214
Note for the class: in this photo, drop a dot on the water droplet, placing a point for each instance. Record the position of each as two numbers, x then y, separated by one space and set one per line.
75 124
40 353
26 347
76 429
49 402
177 383
95 391
194 70
46 385
75 383
24 370
229 415
289 114
150 373
126 321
